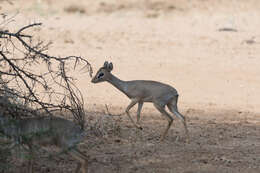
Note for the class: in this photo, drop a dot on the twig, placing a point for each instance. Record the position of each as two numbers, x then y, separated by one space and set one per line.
108 113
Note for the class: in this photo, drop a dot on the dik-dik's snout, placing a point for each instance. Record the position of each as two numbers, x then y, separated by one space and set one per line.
93 80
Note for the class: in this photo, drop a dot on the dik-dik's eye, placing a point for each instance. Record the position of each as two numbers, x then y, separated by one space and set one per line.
100 75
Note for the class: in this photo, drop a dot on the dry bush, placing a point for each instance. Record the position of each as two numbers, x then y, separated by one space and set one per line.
33 83
74 9
105 125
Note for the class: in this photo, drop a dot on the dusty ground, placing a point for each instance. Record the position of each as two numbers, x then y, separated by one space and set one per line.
177 42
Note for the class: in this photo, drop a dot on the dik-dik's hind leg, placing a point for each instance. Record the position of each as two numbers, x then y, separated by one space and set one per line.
82 158
168 116
174 109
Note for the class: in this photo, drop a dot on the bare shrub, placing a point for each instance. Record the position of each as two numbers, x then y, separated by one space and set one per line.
33 83
74 9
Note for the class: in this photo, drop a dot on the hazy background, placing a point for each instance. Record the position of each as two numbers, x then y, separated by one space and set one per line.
173 41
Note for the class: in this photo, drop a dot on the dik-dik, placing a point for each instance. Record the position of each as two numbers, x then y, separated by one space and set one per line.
140 91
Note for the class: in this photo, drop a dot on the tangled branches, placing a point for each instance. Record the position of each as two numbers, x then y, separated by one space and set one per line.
32 82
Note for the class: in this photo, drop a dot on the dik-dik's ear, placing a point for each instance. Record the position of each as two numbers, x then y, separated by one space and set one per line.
110 67
105 64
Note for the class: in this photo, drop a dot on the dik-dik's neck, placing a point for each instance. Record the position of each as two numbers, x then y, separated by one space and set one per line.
119 84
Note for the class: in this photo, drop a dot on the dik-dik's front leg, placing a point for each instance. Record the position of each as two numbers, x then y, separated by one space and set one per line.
133 102
140 105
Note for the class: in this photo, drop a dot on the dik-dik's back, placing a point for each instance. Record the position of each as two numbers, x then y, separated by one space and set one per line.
149 89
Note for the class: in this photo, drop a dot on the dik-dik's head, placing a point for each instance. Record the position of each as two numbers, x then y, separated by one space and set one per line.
103 73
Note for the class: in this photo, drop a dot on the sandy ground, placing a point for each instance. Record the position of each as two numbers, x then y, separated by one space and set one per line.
173 41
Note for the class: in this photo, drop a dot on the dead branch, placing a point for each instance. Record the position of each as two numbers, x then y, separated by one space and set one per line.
108 112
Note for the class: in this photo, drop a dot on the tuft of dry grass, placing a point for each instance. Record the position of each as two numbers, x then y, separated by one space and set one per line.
75 9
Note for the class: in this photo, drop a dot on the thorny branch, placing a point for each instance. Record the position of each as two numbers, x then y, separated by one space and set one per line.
30 92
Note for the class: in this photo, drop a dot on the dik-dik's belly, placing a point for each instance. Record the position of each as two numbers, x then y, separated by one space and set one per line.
148 99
